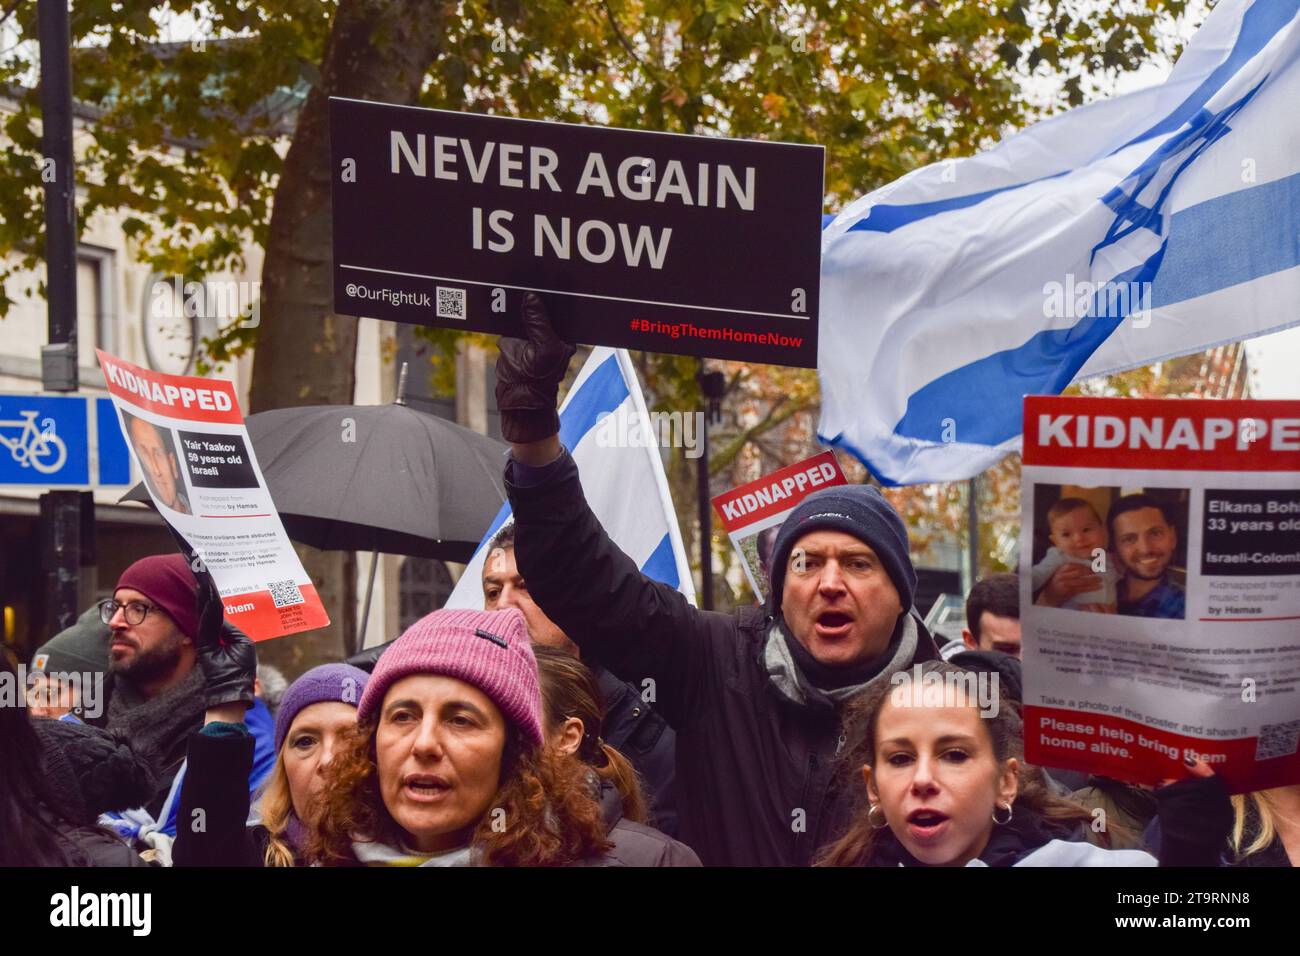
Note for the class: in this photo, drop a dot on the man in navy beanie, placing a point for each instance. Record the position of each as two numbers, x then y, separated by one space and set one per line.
757 696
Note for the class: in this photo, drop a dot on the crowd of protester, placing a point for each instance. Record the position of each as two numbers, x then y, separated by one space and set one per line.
589 716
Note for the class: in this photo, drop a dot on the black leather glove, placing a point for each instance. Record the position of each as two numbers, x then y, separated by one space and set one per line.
226 655
1195 820
529 374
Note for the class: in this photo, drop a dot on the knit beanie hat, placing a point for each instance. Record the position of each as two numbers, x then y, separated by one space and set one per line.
337 683
166 580
859 510
81 647
1010 676
489 649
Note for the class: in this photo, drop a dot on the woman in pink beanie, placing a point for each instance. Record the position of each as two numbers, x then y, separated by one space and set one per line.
447 766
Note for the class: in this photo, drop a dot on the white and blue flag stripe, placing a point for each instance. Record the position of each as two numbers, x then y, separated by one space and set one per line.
941 292
624 482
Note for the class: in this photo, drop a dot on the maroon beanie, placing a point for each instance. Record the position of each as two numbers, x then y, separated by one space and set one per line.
489 649
166 580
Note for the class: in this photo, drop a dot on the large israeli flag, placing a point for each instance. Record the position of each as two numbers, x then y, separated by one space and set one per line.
1154 224
622 476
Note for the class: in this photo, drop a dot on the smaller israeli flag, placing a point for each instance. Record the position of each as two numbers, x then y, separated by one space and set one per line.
623 479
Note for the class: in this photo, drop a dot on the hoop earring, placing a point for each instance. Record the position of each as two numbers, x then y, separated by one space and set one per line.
877 826
1007 820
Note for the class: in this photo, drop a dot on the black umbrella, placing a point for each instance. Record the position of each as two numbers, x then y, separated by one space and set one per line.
377 478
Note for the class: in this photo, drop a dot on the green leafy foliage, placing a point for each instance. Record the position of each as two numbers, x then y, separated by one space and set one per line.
189 109
191 103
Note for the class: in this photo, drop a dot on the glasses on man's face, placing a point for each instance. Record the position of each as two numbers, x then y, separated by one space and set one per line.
134 611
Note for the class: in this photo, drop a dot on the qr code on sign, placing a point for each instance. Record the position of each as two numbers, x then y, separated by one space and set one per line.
1277 740
451 303
286 593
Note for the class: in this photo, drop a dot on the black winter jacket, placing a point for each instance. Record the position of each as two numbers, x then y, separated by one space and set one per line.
634 843
634 729
216 783
99 848
754 780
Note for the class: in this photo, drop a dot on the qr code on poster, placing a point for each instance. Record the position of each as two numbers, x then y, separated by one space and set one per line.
286 593
1277 740
451 303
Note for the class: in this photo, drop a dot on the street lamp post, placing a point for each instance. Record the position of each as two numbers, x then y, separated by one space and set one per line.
712 385
67 517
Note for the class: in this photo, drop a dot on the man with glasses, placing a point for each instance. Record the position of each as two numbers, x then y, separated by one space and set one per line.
154 689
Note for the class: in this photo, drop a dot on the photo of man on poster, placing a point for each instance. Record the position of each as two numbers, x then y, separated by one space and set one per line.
157 454
1144 538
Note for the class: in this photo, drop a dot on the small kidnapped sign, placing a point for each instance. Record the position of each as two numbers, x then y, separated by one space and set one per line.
689 244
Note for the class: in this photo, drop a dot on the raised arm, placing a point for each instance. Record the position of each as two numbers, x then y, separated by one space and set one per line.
211 822
1195 817
638 628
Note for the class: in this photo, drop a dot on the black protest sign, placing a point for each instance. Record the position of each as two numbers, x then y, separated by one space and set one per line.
690 244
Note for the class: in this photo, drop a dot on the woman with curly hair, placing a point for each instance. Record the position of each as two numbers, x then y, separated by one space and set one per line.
945 785
447 764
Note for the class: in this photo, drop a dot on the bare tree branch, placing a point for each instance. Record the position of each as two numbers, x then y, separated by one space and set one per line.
778 413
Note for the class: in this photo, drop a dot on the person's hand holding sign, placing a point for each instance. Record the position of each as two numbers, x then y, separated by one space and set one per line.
528 381
1195 817
1069 580
226 657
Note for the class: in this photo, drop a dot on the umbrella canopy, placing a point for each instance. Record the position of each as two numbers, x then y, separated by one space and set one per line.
377 478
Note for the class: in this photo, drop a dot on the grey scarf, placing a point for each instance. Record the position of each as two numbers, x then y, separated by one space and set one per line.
160 726
369 853
786 676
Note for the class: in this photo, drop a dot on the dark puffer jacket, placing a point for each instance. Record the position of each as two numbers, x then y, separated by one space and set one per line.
91 771
642 736
636 844
756 746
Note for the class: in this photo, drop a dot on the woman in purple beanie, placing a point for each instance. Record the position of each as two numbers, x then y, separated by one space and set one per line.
447 766
315 716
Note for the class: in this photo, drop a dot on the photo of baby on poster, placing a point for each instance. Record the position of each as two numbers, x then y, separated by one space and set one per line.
1130 542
